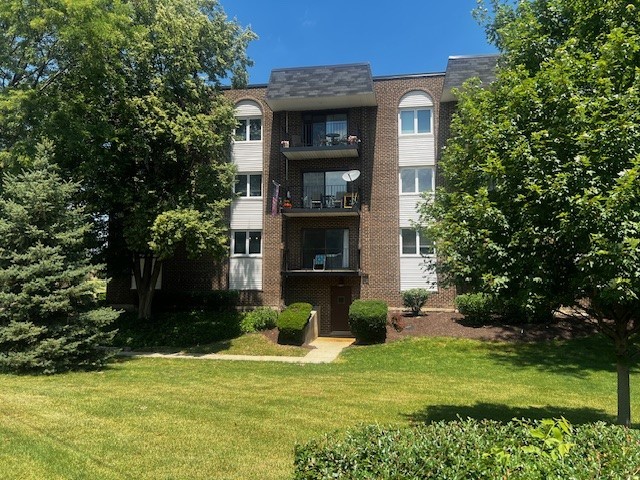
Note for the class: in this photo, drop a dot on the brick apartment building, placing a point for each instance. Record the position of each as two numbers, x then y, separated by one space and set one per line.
331 163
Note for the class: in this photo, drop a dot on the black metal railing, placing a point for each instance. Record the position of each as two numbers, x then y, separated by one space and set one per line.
329 196
319 259
333 133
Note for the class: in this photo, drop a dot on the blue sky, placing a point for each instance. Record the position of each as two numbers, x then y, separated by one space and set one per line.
414 36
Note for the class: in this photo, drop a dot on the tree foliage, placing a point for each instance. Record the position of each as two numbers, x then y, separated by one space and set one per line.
541 201
129 91
49 320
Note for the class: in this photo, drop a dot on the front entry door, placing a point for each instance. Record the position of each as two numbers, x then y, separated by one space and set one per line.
340 301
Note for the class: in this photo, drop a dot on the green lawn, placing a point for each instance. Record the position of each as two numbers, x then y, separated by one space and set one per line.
158 418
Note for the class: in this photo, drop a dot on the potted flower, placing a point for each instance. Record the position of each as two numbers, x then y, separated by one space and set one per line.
287 204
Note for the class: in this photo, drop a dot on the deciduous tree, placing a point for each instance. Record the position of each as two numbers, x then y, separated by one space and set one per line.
129 91
542 195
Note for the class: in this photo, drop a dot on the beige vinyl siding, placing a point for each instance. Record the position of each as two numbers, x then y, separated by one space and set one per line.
416 150
408 210
248 108
413 273
245 273
416 99
247 156
246 214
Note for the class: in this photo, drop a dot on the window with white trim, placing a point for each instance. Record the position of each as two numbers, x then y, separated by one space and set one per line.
413 243
417 180
246 243
415 121
248 129
248 185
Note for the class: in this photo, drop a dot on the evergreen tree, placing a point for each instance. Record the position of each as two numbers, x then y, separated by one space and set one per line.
49 320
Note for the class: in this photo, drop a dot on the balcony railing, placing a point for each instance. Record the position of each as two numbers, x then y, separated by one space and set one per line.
331 200
321 261
332 145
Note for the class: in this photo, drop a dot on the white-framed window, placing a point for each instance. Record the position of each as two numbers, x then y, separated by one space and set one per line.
246 243
248 185
415 121
415 244
417 180
248 129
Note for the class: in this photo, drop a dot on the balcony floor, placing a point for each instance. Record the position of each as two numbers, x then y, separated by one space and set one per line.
321 152
320 212
321 273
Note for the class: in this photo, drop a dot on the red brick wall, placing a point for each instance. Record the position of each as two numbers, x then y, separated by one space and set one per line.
374 233
380 220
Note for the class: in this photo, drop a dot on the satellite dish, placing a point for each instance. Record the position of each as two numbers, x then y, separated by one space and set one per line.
351 175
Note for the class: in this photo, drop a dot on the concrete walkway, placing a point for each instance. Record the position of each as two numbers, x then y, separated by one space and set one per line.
325 350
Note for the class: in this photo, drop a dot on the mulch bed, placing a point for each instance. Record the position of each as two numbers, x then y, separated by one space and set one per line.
451 324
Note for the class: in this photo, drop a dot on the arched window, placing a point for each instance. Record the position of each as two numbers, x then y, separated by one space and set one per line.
249 122
415 115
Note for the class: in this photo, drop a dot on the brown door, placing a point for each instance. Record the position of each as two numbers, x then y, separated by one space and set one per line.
340 301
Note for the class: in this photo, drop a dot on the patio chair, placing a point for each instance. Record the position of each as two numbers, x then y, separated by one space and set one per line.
319 262
316 200
350 199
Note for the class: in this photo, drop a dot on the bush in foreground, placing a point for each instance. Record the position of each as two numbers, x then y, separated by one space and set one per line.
291 323
475 449
368 320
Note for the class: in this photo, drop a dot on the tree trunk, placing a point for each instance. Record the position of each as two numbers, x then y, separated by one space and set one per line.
146 270
145 297
624 393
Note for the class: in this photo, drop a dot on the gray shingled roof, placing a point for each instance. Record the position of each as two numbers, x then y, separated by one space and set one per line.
289 87
460 69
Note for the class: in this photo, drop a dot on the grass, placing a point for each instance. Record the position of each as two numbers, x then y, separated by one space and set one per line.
249 344
159 418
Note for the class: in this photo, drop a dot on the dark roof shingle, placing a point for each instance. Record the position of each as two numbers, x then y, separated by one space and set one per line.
460 69
305 83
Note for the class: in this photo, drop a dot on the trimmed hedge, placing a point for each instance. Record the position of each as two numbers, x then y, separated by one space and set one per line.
478 449
368 320
291 323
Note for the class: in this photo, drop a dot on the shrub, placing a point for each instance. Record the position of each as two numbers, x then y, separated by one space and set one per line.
415 299
479 449
262 318
211 300
291 323
368 320
176 329
477 308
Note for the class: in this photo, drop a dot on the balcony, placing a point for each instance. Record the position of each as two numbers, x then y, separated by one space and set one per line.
321 146
328 200
321 261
